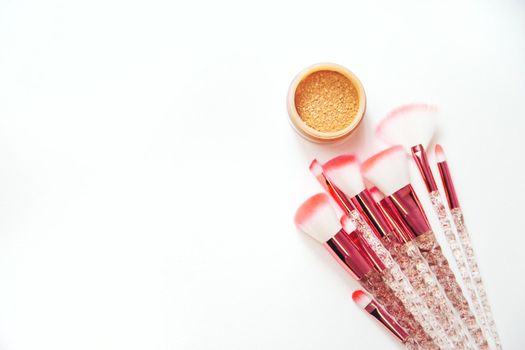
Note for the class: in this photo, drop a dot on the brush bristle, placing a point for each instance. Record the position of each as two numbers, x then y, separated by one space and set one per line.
388 170
409 125
347 224
361 298
345 173
317 218
440 154
376 194
316 168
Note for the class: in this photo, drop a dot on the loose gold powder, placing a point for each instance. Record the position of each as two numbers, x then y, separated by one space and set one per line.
326 100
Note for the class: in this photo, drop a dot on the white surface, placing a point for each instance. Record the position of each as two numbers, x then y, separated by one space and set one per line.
148 174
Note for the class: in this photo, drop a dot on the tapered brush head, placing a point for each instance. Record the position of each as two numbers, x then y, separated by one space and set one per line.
345 173
316 218
409 125
361 298
376 194
388 170
347 224
316 168
440 154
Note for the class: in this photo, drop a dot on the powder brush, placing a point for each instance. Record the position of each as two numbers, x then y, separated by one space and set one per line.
481 303
413 127
376 310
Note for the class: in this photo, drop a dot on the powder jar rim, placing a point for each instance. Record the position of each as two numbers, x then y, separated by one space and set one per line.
307 131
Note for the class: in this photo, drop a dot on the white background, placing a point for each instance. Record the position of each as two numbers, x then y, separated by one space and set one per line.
149 176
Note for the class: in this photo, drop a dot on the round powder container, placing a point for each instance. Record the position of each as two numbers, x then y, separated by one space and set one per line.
326 102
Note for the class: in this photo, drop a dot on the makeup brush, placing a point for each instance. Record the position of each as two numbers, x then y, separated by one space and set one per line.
386 291
402 288
481 304
345 174
388 171
316 218
413 126
393 274
373 308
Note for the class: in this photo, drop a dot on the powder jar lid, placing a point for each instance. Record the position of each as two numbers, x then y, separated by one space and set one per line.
311 133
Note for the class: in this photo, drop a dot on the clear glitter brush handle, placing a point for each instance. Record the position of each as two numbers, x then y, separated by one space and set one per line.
374 284
420 275
400 285
411 344
402 288
464 238
431 250
465 313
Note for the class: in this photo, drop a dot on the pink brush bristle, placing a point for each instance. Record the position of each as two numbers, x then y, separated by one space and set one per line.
345 173
379 156
347 224
376 194
440 154
340 161
316 168
408 125
388 170
317 218
361 298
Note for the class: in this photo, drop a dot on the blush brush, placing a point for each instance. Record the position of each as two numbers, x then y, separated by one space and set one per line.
413 126
475 285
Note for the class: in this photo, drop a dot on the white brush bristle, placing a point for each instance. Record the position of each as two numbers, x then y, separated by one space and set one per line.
361 298
388 170
409 125
347 224
345 173
440 154
317 218
316 168
376 194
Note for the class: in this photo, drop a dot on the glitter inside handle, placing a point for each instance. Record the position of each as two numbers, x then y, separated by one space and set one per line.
374 284
400 285
465 313
416 268
411 344
464 238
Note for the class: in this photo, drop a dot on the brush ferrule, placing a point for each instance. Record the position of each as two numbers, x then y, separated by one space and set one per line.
420 157
448 185
380 314
404 207
348 255
369 209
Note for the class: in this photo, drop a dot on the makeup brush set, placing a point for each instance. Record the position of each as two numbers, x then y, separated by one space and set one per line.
372 221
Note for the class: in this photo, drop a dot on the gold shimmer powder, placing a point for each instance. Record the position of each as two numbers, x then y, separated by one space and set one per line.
327 101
